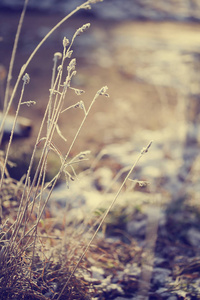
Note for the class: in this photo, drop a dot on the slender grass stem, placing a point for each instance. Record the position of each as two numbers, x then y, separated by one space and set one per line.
11 137
143 151
24 67
9 77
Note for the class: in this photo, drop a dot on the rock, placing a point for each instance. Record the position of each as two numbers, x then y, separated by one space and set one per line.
160 262
160 276
137 228
22 129
163 293
193 237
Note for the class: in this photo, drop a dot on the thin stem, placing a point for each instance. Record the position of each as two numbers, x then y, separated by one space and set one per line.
144 150
10 141
9 77
18 220
66 156
51 93
81 125
33 54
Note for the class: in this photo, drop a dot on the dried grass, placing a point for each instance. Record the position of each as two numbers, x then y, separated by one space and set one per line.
33 263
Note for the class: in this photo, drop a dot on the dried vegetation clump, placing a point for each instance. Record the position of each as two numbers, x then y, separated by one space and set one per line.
47 280
28 269
34 264
39 257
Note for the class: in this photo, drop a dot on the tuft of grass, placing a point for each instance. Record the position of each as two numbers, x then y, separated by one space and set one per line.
34 263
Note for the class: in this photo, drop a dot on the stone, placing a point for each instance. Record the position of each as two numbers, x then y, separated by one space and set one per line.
193 237
22 129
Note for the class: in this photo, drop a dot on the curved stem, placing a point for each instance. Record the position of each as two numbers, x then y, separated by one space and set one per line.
143 151
33 54
9 77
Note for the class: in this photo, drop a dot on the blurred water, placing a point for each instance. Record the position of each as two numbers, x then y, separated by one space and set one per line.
181 10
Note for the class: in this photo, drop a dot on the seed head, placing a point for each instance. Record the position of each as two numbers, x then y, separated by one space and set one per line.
79 92
81 105
69 54
102 91
83 154
146 149
83 28
29 103
57 55
88 6
72 64
65 42
59 68
26 78
73 73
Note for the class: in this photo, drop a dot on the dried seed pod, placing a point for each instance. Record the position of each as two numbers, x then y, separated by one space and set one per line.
59 68
83 154
65 42
88 6
79 92
102 91
72 64
83 28
69 54
26 78
57 55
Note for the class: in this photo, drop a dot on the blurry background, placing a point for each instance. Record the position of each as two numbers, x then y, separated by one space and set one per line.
184 10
